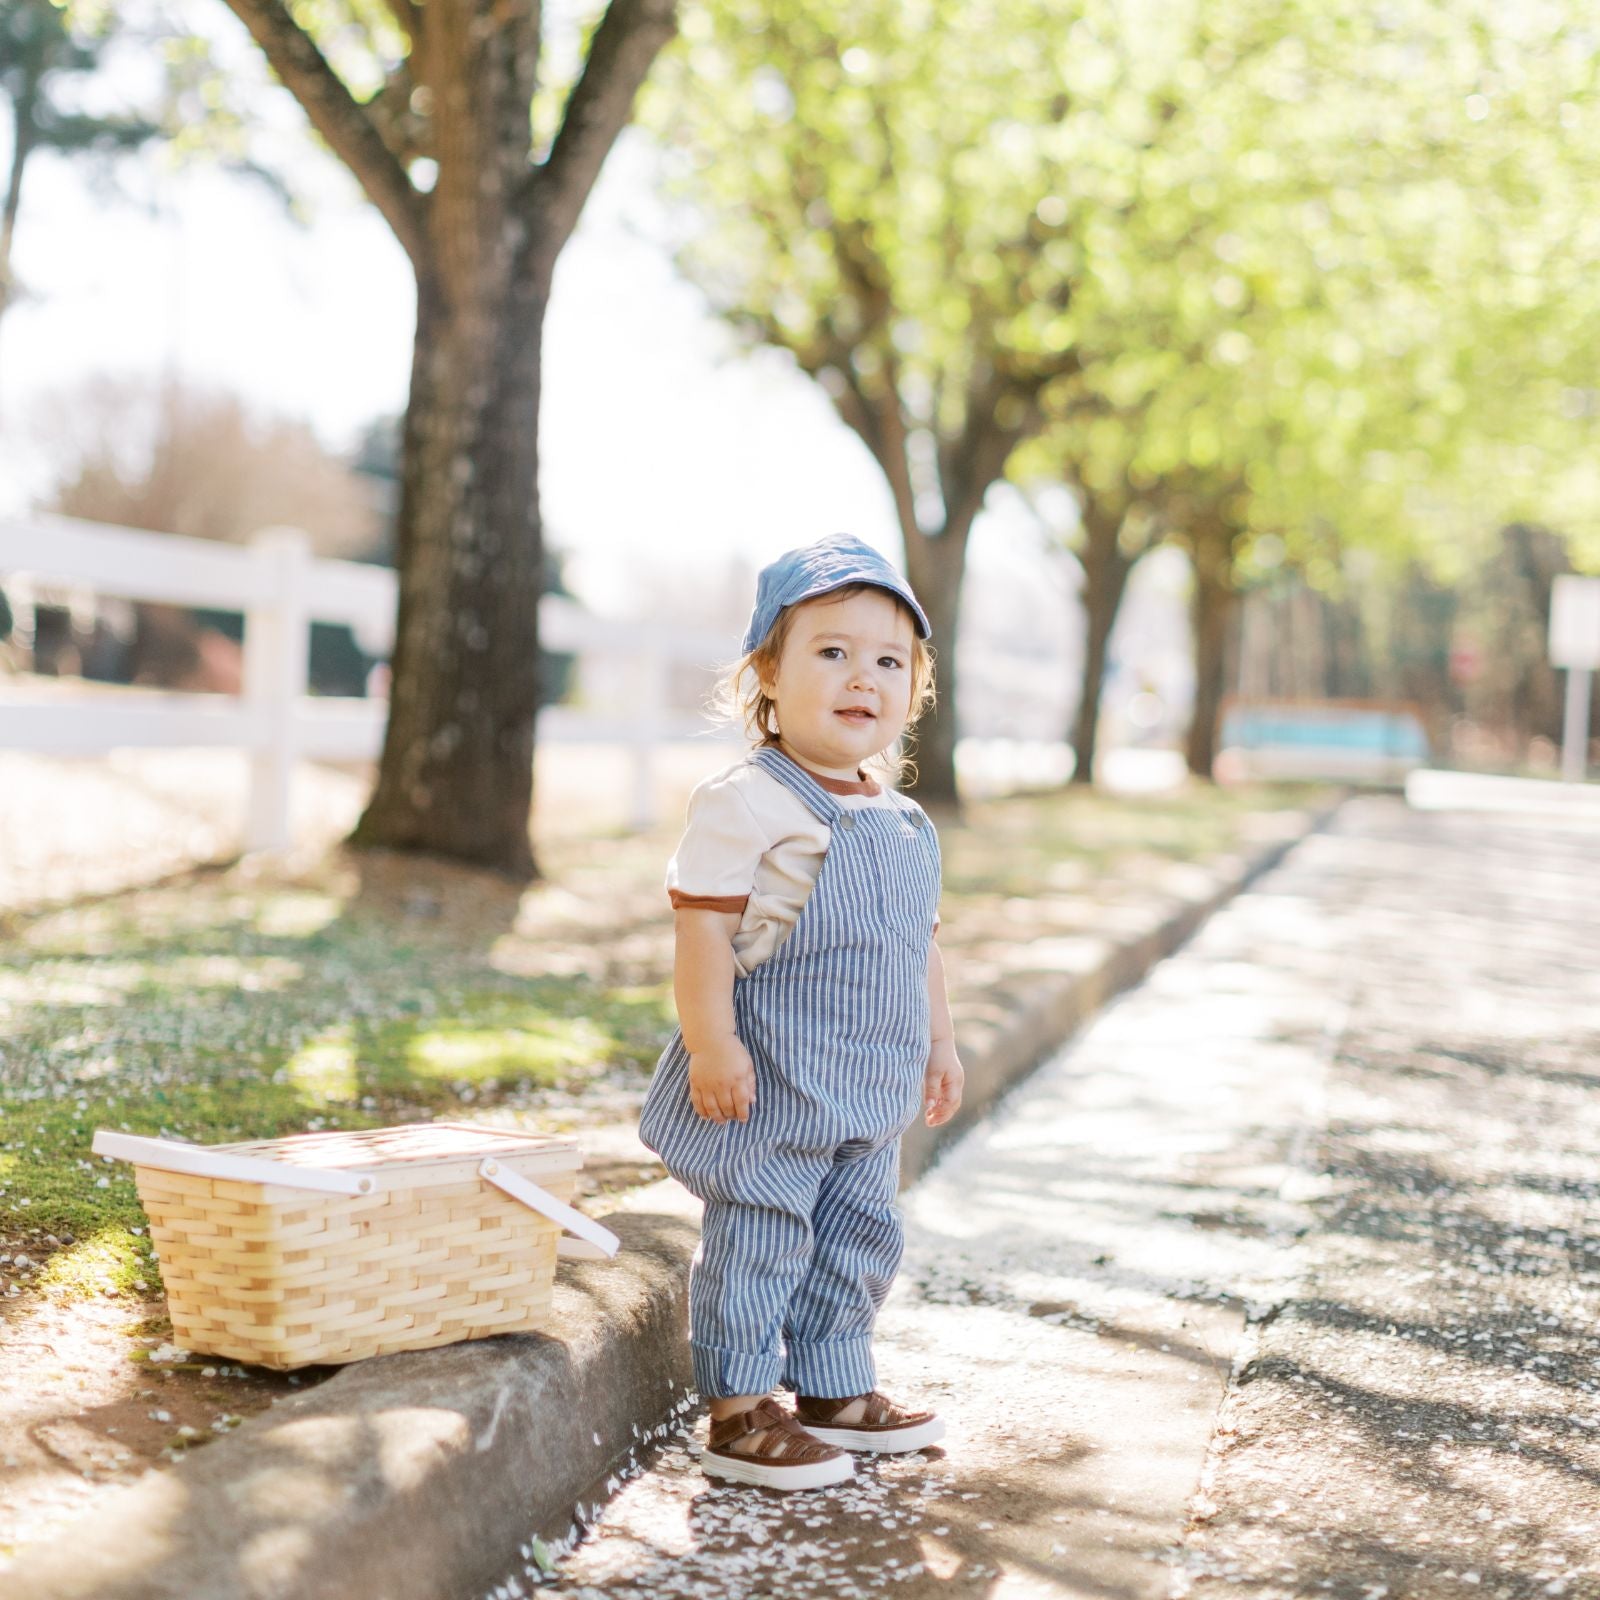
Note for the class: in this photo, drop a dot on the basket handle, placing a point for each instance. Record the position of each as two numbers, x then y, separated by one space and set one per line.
593 1241
200 1162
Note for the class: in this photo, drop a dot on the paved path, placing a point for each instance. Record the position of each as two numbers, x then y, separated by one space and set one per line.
1331 1170
1421 1416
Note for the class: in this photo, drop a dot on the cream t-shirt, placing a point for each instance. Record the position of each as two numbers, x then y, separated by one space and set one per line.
752 845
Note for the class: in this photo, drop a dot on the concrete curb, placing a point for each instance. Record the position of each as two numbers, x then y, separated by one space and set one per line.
398 1478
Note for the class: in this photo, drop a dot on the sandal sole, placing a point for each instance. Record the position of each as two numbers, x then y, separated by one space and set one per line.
774 1475
891 1442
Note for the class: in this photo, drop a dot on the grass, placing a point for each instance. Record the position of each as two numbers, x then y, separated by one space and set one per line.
1073 841
204 1013
381 990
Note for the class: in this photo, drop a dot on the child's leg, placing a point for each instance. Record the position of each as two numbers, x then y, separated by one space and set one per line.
750 1259
857 1242
752 1253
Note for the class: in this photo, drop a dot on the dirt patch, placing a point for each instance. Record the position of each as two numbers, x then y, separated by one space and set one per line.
97 1396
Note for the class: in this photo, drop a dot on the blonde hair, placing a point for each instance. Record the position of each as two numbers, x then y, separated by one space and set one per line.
739 697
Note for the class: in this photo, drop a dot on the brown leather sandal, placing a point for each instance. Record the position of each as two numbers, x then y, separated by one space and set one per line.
883 1427
778 1453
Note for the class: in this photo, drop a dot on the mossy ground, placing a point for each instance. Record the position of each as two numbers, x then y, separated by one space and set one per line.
217 1010
1083 837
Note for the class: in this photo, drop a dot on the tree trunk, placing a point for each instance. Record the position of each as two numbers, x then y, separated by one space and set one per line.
23 136
456 775
936 565
1214 607
1105 581
456 778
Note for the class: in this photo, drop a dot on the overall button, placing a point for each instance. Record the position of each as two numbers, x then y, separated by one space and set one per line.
846 820
917 819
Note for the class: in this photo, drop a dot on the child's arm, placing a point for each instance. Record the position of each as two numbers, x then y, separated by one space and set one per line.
722 1078
941 1083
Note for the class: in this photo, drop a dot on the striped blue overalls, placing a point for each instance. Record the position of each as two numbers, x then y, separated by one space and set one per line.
801 1237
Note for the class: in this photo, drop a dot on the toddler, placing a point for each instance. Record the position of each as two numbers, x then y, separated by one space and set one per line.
813 1023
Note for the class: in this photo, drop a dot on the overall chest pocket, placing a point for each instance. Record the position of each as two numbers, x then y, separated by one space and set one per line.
905 895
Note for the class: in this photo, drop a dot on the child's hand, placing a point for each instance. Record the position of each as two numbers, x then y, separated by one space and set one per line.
722 1081
942 1082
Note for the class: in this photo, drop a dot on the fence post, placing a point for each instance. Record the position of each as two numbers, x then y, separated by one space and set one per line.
1575 645
277 655
1575 726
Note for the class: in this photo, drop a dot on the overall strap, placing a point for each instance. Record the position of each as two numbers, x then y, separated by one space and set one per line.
822 804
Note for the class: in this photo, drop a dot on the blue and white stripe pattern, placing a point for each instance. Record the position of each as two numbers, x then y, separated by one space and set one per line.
801 1237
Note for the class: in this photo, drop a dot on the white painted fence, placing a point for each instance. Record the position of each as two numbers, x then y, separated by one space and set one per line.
1575 645
281 589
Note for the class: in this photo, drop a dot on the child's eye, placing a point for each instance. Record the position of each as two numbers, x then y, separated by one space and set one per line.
888 661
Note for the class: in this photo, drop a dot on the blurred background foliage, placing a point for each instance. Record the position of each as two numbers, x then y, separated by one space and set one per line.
1308 290
1301 287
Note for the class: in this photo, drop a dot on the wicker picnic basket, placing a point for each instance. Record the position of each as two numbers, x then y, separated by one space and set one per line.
329 1247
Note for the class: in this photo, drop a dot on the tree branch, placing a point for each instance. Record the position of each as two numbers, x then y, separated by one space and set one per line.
861 268
882 429
826 358
630 36
986 464
407 134
335 114
876 420
408 18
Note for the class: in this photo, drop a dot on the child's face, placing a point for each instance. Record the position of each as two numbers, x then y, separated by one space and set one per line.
842 655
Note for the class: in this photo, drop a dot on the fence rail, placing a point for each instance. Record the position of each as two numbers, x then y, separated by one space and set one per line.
281 589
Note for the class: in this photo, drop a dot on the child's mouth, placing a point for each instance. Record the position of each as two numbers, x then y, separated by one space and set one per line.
855 716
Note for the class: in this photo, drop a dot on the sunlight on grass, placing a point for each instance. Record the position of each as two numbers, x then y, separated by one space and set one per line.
110 1259
68 983
325 1071
295 915
544 1051
260 974
1068 840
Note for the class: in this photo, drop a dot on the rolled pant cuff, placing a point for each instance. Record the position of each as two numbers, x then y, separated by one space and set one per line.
832 1371
719 1373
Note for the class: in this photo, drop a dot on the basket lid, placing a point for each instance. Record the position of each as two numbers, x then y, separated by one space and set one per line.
409 1143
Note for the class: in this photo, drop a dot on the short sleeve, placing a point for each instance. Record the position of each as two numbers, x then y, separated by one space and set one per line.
714 867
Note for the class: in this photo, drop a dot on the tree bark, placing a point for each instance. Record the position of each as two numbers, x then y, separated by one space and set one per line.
936 565
456 777
1105 580
456 774
23 137
1215 604
936 562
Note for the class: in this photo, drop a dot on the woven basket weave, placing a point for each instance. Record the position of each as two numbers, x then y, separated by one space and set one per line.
330 1247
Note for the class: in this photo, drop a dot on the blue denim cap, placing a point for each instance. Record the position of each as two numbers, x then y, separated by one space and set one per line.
815 569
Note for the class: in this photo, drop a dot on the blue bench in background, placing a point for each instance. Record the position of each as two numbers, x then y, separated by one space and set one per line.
1368 741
